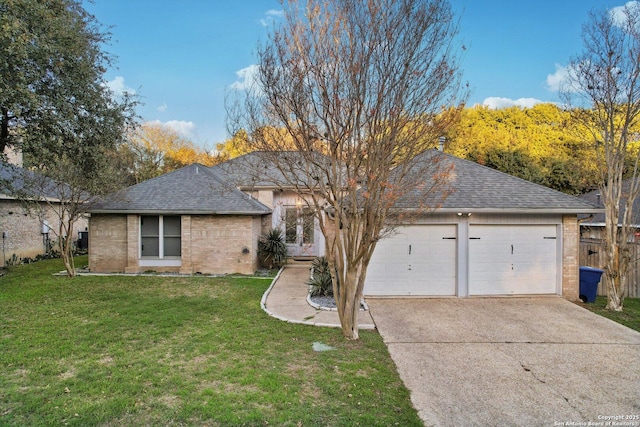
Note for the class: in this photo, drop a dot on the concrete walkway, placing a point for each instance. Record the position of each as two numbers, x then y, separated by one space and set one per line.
286 299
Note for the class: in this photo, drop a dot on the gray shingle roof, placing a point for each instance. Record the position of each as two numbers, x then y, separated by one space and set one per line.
198 189
194 189
595 198
20 182
258 169
477 188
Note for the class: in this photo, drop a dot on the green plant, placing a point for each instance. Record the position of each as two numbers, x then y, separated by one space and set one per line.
13 260
629 316
320 280
271 248
134 350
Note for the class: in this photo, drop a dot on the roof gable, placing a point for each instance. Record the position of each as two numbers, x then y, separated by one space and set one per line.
194 189
258 169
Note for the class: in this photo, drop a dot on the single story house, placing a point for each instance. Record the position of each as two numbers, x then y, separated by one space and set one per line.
494 235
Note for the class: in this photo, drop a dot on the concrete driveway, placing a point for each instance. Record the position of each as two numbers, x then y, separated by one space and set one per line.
540 361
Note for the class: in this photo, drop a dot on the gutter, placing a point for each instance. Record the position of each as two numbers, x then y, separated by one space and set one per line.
173 212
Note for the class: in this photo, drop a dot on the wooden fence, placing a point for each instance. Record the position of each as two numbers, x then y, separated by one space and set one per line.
592 255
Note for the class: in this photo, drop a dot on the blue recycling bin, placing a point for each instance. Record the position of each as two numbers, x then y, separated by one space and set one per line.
589 279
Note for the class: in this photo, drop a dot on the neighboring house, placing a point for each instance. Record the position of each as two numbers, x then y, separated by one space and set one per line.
592 226
494 235
27 232
592 240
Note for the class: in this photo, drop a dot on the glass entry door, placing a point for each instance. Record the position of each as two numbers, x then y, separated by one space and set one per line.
300 231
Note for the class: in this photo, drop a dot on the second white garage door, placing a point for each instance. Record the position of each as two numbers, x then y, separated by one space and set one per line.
418 260
512 259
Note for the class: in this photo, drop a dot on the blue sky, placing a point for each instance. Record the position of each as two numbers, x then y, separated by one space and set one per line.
181 57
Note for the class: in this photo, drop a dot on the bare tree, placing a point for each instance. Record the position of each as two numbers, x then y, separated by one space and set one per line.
360 88
63 193
604 82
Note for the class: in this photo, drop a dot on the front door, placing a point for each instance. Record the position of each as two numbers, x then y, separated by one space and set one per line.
300 231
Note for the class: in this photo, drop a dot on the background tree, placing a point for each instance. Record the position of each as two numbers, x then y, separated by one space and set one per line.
153 149
361 88
540 144
605 81
56 107
234 146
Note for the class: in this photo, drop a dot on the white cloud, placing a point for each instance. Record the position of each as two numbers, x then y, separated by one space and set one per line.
557 79
618 14
184 128
246 78
162 108
118 88
270 16
563 80
497 103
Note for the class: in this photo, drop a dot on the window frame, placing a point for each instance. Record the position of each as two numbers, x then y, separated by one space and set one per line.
161 260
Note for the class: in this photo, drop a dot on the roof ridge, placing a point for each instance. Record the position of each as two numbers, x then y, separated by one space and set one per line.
163 175
220 180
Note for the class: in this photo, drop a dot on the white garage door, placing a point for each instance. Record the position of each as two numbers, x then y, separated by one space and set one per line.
512 259
418 260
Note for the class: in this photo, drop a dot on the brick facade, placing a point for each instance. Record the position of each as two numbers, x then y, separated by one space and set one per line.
570 257
210 244
224 244
23 228
108 243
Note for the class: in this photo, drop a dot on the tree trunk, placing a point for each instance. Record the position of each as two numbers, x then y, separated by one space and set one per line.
615 281
614 299
66 246
4 129
349 303
347 286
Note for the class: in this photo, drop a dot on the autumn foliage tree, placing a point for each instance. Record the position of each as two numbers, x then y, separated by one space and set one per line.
540 144
604 84
235 146
154 148
360 89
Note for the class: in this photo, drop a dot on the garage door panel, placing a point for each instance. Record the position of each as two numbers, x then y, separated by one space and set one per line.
512 259
418 260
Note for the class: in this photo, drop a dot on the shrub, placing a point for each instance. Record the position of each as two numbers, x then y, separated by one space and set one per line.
271 249
320 280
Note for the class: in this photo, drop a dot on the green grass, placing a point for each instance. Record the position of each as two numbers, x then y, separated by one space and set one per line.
629 316
115 351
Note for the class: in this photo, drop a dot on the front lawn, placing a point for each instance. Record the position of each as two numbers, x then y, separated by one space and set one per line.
629 316
179 351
